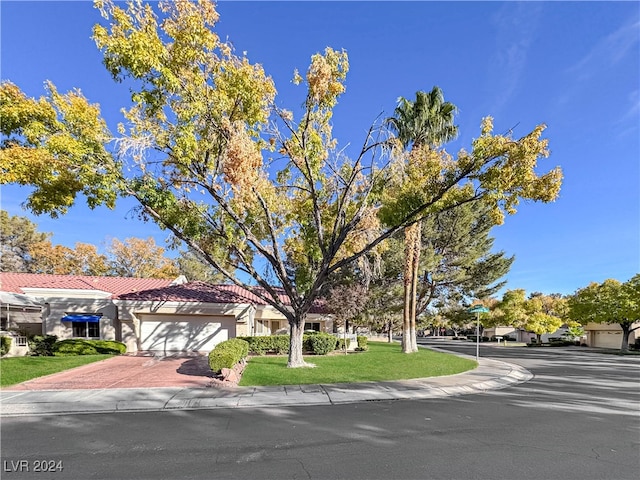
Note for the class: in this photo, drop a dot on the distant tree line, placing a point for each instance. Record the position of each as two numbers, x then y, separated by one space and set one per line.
24 249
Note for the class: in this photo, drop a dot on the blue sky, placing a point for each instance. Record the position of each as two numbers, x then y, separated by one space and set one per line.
574 66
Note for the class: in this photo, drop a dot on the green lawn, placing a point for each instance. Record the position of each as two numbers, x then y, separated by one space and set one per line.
20 369
383 361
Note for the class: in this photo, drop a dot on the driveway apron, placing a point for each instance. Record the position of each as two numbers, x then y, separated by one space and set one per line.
128 371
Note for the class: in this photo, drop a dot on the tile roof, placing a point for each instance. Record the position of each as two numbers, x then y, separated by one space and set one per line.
15 282
143 289
194 292
208 293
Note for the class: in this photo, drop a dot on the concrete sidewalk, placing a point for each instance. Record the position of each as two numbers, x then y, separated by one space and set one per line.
490 375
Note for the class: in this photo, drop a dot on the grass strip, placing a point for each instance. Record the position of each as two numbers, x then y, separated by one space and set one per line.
383 361
20 369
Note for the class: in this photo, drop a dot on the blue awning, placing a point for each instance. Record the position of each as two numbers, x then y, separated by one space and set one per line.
81 318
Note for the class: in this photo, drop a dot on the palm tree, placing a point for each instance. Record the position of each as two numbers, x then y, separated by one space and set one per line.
426 121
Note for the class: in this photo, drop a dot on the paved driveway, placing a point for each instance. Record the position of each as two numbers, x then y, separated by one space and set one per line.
128 371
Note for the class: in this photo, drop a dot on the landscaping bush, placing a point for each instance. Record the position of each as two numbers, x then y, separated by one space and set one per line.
222 359
108 346
257 345
5 345
78 346
278 344
226 354
340 343
306 342
322 343
362 343
318 343
42 346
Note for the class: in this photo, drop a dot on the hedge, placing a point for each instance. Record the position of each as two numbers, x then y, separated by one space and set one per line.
272 344
318 343
5 345
42 346
362 343
78 346
322 343
341 342
226 354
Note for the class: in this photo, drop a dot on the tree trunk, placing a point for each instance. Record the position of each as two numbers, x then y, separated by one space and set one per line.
409 234
626 330
296 330
415 268
390 331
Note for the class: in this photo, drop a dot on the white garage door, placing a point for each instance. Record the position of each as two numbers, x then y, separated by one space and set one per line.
607 339
184 333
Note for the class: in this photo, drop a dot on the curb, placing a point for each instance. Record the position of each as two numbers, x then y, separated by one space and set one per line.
489 375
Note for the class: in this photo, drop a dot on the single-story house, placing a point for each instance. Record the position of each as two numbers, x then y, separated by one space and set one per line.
602 335
520 334
608 335
145 314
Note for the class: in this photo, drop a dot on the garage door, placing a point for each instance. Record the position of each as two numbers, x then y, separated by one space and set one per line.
184 333
607 339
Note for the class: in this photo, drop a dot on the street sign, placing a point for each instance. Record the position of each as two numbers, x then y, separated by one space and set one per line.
478 309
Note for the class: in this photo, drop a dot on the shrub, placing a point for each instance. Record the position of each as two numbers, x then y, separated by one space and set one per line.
5 345
226 354
257 345
322 343
272 344
42 346
74 346
363 343
79 346
306 342
222 359
110 347
340 343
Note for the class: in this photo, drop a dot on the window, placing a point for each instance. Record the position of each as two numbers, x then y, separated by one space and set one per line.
86 329
312 326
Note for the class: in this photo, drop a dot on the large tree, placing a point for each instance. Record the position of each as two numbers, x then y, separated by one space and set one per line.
425 123
458 264
140 258
255 189
194 268
610 302
84 259
17 237
539 314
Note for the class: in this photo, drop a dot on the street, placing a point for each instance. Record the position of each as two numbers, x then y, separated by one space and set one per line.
578 418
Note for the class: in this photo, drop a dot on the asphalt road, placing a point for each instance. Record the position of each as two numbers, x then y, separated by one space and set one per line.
579 418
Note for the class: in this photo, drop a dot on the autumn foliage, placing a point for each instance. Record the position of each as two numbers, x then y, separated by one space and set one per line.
250 186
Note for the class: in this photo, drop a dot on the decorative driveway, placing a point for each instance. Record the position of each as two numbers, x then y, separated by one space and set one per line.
128 371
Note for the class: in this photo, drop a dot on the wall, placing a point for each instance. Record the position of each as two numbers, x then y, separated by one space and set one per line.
16 318
56 308
130 313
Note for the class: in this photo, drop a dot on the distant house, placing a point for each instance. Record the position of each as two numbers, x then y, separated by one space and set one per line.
608 335
145 314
